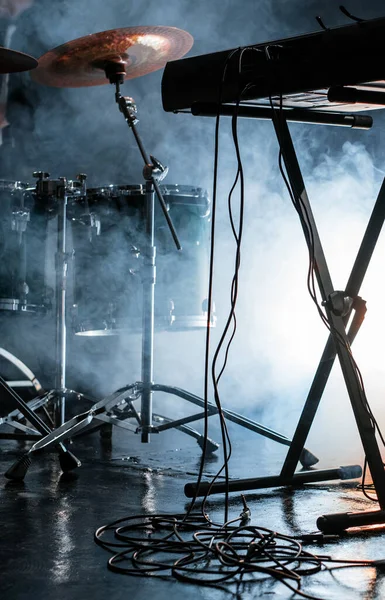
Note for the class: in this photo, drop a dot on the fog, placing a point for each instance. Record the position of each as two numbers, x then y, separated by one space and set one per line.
279 336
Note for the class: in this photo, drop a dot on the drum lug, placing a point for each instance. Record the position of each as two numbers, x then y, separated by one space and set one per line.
20 219
40 175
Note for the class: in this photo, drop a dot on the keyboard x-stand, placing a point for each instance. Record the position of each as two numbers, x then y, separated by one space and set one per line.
353 42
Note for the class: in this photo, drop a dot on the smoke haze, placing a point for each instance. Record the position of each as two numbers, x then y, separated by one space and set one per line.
279 336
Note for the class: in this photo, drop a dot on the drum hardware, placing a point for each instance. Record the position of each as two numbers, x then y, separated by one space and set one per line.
116 408
57 192
24 421
153 173
20 218
17 471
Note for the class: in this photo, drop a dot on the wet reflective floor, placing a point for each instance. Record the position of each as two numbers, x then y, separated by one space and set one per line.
47 547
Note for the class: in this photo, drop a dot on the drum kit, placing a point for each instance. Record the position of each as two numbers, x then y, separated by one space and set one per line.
94 228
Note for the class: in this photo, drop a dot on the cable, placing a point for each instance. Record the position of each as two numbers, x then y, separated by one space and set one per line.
231 319
226 442
349 15
224 432
193 550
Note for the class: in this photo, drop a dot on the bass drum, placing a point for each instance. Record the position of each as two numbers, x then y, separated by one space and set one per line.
20 378
108 239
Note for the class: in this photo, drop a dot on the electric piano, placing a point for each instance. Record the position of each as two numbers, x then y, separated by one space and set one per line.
305 72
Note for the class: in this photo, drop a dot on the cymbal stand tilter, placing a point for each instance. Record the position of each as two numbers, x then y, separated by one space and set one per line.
118 407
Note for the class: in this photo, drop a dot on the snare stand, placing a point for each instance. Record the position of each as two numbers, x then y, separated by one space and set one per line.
118 407
58 190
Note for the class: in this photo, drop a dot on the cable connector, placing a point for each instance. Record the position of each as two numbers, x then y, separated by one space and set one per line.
246 512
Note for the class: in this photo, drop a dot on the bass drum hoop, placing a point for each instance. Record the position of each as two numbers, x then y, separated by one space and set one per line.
32 380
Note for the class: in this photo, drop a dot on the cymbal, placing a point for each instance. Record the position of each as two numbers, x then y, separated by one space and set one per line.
15 62
80 62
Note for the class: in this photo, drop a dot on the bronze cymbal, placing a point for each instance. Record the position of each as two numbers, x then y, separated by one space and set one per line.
141 50
15 62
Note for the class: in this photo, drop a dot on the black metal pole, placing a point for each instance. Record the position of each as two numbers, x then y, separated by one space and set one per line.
326 363
364 421
349 472
295 115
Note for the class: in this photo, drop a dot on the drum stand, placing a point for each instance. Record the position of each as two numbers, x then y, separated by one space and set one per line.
58 190
118 407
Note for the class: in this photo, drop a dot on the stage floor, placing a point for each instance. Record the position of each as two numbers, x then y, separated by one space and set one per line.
47 549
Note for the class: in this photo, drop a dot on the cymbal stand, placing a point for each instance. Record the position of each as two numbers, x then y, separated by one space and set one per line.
153 172
17 471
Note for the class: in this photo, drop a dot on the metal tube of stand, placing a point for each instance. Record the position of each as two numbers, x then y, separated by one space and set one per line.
149 274
61 289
